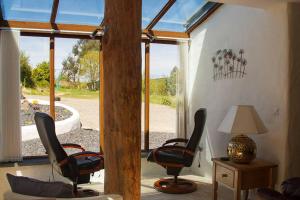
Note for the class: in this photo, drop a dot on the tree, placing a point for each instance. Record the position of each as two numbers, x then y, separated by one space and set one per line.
90 67
71 65
41 74
158 86
84 46
172 81
26 71
70 69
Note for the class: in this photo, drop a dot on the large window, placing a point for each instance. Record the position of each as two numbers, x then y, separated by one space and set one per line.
77 89
77 86
77 92
35 80
164 63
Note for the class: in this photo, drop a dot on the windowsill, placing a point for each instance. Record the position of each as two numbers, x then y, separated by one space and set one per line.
27 161
43 160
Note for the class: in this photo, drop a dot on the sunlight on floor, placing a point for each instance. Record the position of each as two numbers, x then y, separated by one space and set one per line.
203 192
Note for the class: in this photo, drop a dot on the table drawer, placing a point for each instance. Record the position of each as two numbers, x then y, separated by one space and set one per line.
225 176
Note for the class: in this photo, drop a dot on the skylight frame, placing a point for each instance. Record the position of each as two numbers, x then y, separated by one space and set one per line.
150 28
54 11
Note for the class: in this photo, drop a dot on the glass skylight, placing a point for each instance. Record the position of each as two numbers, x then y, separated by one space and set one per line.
182 13
27 10
150 9
86 12
176 19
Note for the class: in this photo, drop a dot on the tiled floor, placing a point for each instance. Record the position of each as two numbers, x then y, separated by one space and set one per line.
204 191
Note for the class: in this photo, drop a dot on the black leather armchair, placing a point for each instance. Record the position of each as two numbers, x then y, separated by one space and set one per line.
176 154
290 191
77 167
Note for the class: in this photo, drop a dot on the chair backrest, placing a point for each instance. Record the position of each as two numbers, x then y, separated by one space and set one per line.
200 118
46 129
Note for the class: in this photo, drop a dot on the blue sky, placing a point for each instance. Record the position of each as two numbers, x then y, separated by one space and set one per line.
163 57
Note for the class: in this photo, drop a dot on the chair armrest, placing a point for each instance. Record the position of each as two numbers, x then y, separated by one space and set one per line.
176 148
74 146
175 140
86 154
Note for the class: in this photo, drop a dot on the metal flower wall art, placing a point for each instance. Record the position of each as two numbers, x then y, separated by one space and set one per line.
228 64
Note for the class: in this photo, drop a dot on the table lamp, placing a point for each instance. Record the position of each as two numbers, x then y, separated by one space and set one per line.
241 121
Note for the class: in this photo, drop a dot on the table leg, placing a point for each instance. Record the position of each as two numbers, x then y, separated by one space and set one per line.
271 182
215 183
237 183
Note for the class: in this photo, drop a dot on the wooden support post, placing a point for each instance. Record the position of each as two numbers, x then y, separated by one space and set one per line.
101 93
122 99
147 96
52 78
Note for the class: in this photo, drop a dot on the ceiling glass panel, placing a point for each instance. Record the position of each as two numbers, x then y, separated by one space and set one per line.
150 9
27 10
178 15
86 12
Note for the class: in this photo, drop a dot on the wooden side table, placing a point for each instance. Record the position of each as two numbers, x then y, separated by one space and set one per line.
240 177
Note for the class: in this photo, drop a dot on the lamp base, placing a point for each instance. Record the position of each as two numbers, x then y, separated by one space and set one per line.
241 149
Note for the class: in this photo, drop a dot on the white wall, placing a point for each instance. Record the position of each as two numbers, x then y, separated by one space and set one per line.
263 34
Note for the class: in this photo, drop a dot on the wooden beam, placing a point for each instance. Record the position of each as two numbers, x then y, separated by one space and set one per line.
54 11
87 36
161 13
122 99
52 78
203 18
101 98
167 34
160 41
42 27
47 26
58 35
147 97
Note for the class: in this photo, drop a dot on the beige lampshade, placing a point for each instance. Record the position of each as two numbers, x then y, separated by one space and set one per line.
242 119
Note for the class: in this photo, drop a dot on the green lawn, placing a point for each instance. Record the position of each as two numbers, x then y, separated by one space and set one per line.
162 100
64 92
87 94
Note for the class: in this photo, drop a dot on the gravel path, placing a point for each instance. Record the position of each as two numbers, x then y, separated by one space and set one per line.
162 118
162 125
89 139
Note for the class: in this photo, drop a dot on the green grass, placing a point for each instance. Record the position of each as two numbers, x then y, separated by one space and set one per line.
64 92
159 99
77 93
87 94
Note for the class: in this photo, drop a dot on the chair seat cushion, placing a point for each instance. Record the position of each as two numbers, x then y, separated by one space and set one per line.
88 164
166 156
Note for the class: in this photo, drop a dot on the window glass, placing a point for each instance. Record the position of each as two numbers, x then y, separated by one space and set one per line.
150 9
164 63
89 12
35 83
178 16
27 10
